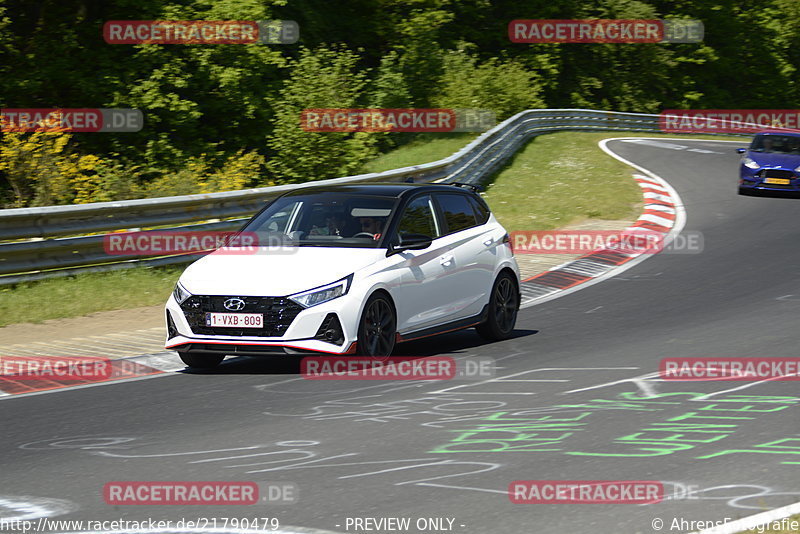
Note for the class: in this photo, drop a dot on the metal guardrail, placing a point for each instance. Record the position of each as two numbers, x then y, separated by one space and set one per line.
33 242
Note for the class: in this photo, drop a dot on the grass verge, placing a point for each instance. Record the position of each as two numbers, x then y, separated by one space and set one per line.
555 180
34 302
560 178
563 178
424 149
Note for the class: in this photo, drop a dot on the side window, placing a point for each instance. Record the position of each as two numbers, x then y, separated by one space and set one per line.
280 221
457 211
418 218
480 209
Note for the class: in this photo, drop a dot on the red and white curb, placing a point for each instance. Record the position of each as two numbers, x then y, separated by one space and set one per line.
122 370
663 212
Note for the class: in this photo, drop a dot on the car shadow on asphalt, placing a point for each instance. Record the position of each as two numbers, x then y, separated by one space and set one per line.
772 194
455 344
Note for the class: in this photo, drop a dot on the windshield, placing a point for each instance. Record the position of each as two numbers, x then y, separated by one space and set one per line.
328 219
776 144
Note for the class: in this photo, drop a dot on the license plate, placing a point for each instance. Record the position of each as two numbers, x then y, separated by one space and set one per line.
235 320
776 181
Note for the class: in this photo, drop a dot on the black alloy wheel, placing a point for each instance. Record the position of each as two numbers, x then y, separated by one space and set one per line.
503 309
377 330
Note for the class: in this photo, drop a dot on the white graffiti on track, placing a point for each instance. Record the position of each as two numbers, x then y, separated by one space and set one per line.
82 442
432 409
296 455
284 456
27 508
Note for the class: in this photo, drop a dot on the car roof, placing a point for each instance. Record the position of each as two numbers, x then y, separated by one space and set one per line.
396 189
779 132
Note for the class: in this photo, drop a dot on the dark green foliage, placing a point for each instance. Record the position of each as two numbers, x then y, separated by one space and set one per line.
215 101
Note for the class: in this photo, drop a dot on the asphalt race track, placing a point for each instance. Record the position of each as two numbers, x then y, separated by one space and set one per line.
576 397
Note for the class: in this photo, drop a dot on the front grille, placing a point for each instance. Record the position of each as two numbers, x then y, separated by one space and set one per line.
279 312
777 173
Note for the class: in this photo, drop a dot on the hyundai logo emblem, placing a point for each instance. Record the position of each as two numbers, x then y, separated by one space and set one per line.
234 304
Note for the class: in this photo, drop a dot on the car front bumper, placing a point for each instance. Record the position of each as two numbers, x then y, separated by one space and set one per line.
754 180
302 334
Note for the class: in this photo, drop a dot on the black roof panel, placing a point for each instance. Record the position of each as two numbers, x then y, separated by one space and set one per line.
395 189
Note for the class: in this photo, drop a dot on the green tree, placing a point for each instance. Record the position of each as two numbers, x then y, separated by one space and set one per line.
322 78
505 87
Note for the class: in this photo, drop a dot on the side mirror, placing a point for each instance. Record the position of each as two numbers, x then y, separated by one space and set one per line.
410 242
741 150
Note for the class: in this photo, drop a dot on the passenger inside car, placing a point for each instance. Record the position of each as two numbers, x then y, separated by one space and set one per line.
334 224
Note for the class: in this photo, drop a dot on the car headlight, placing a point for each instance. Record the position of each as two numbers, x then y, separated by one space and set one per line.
750 164
180 293
322 294
797 169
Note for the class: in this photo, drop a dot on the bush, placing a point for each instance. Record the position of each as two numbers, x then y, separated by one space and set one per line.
41 169
505 87
323 78
115 181
239 171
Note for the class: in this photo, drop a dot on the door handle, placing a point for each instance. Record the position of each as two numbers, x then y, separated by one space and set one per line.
446 260
489 242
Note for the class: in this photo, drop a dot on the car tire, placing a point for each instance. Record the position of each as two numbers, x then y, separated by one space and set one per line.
377 328
201 361
503 309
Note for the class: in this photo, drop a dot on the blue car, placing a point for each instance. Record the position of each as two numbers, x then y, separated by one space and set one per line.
771 163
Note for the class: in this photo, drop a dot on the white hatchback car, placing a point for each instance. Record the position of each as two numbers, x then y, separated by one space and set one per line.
360 268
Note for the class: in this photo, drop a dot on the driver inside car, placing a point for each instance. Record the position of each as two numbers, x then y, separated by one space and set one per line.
372 225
